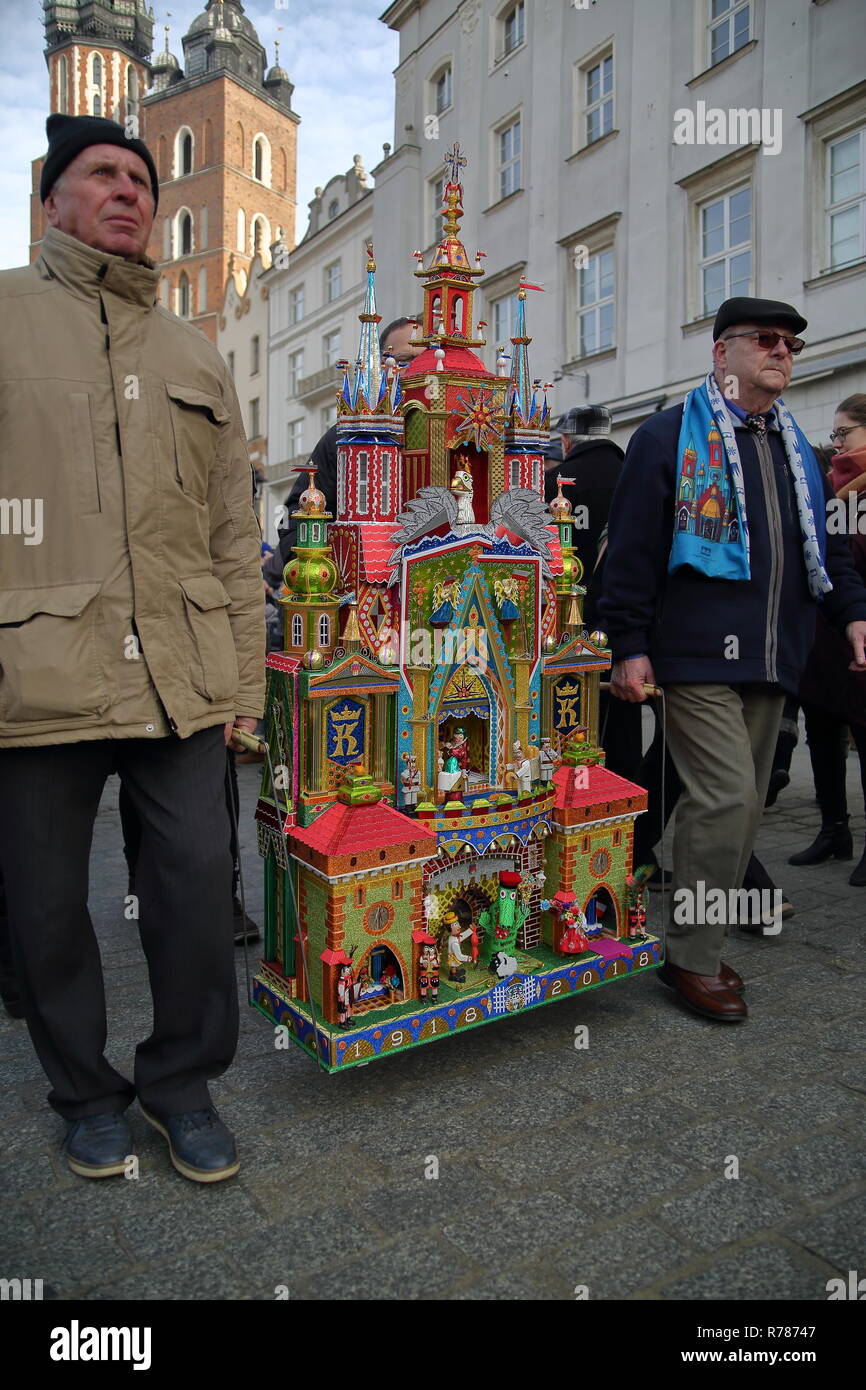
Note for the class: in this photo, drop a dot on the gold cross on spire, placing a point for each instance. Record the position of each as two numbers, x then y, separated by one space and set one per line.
456 161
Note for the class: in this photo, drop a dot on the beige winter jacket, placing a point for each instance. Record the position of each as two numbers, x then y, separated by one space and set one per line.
131 598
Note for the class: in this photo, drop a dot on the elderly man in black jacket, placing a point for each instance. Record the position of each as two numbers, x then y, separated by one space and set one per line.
718 554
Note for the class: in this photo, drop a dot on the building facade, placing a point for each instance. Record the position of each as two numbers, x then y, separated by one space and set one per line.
314 296
242 340
608 180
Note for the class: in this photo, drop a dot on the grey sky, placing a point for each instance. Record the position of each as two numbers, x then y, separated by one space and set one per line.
336 52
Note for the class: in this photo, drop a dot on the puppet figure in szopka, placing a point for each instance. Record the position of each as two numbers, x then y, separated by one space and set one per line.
504 918
346 991
458 752
572 922
548 760
428 969
410 780
456 959
461 486
636 899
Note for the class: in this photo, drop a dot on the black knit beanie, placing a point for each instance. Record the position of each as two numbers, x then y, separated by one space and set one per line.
69 135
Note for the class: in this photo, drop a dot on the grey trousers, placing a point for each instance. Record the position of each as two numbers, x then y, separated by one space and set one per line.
722 739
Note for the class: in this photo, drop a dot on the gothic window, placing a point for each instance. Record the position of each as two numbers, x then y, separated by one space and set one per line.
62 85
131 91
184 163
242 230
260 234
183 297
514 465
262 160
324 630
184 234
97 105
363 481
202 289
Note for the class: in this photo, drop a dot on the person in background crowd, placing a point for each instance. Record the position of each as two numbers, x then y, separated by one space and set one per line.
832 695
591 462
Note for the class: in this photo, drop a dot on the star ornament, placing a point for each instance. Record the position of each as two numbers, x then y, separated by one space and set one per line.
476 419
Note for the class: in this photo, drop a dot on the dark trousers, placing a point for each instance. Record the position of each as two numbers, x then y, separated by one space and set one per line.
131 825
48 803
827 737
621 735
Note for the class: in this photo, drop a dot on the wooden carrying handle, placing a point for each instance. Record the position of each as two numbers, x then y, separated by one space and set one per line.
647 689
247 741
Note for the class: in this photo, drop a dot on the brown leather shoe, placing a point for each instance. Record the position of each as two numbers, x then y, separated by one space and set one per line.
704 994
730 979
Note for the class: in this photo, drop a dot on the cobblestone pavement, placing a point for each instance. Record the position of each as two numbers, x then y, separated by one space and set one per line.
558 1167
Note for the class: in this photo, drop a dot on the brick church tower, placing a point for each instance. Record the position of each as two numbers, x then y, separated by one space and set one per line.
221 131
98 65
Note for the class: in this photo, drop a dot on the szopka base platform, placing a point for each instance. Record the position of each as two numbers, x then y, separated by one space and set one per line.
481 999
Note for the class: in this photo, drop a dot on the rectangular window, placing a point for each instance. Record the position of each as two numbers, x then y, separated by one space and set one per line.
846 199
254 419
725 253
729 28
363 484
514 470
296 304
599 99
504 318
509 159
333 281
296 438
595 304
296 371
255 356
514 27
330 348
327 416
385 489
443 90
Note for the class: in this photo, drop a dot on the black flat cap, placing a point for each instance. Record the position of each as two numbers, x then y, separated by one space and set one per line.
584 419
69 135
769 311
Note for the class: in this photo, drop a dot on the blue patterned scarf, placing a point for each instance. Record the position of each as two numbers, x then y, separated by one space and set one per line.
711 529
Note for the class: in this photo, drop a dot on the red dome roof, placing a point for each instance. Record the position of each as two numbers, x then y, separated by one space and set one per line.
457 359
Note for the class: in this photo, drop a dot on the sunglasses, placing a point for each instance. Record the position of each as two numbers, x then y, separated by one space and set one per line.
767 340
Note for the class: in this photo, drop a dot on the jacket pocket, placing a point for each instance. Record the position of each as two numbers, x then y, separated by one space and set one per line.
196 421
214 665
50 665
86 477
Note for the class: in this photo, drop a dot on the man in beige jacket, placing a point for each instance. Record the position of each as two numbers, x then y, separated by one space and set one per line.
131 639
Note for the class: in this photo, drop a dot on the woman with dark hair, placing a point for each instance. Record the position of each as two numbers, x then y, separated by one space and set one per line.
832 695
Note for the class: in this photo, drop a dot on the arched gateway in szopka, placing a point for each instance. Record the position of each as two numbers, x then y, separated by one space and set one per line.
443 823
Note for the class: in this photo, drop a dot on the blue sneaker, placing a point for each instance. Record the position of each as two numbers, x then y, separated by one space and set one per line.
98 1146
201 1147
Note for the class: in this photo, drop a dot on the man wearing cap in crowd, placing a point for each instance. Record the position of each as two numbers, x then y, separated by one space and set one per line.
592 462
130 642
718 555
